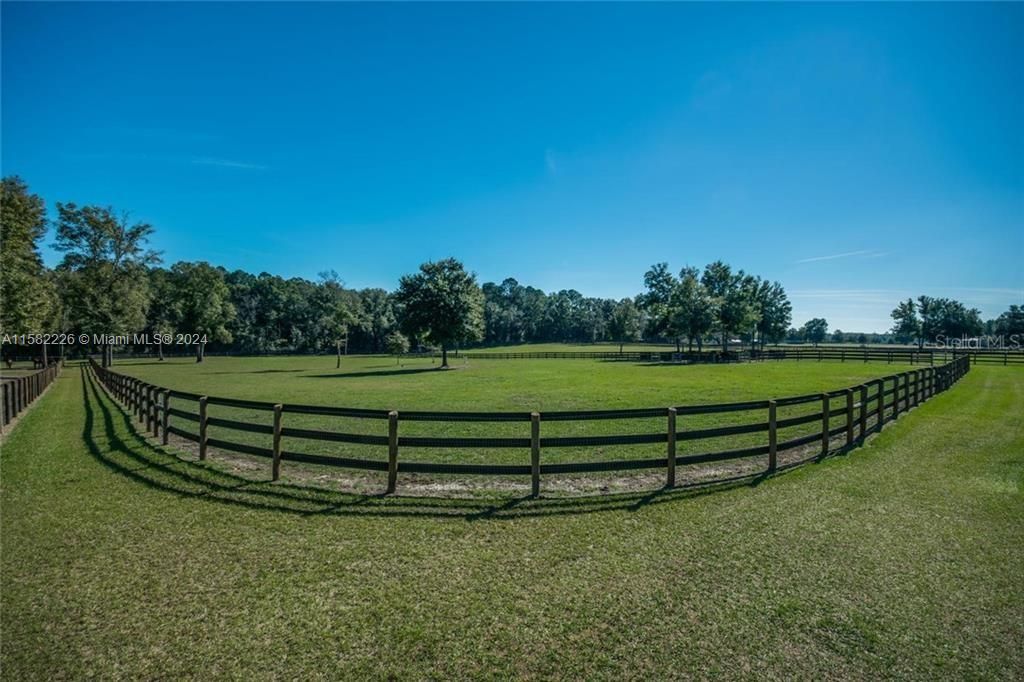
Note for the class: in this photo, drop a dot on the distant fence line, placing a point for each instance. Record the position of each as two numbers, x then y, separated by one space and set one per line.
913 356
152 406
17 393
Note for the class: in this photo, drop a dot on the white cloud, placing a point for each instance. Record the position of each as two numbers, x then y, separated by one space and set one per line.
227 163
866 253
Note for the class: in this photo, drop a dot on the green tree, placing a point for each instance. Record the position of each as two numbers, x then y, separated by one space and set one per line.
731 295
692 308
815 330
656 300
28 300
907 325
397 345
203 303
624 325
105 259
379 316
838 336
442 304
1011 323
774 312
163 314
335 311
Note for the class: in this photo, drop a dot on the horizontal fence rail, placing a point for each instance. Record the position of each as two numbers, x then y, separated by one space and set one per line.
17 393
877 401
902 355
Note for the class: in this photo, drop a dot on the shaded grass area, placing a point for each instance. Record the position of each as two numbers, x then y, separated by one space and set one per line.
898 561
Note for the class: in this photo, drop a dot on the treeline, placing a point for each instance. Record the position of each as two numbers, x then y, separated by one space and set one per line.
110 282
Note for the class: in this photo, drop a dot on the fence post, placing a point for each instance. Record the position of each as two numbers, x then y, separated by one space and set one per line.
535 453
849 416
141 390
881 403
825 405
3 406
202 428
392 450
670 481
152 410
166 417
773 440
863 411
276 469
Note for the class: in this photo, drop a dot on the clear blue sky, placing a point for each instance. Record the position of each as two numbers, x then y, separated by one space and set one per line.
857 153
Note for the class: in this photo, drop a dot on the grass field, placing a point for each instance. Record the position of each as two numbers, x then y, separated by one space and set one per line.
899 561
502 385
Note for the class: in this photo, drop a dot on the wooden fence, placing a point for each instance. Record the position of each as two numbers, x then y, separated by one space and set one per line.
17 393
876 401
899 354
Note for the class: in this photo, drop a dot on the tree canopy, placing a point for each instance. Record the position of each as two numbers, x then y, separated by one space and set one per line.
442 305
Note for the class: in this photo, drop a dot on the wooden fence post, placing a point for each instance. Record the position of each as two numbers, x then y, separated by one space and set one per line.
152 412
863 411
849 416
142 403
392 451
276 469
202 428
825 407
670 481
773 436
166 417
535 454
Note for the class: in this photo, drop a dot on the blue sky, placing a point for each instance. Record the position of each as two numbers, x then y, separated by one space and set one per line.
857 153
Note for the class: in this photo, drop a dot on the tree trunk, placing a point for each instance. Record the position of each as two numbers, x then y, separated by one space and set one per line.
679 345
700 344
689 345
620 347
338 365
444 357
46 358
200 351
160 351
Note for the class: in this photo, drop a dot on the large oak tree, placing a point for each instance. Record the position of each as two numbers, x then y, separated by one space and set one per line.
442 305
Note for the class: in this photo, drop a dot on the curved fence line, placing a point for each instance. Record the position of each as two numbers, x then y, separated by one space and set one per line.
879 400
17 393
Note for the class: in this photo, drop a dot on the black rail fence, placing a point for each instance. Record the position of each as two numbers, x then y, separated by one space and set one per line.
17 393
899 355
860 410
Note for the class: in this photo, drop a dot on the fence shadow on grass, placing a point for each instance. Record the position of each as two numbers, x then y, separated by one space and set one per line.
111 438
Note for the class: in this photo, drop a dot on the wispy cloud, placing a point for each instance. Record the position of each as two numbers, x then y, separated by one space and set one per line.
227 163
866 253
551 161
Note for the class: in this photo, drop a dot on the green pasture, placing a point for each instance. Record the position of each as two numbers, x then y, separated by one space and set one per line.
900 560
499 385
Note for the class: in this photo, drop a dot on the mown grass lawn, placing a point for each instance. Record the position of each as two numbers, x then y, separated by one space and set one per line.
900 560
